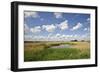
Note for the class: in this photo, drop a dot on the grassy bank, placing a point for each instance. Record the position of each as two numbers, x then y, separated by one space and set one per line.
43 51
57 54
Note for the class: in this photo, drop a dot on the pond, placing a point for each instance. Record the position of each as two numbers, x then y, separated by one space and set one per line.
61 46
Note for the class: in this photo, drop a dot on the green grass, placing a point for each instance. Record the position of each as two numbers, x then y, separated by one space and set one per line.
56 54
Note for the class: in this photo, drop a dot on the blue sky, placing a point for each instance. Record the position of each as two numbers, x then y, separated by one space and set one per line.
46 26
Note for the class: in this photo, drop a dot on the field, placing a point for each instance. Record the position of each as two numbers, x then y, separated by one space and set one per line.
43 50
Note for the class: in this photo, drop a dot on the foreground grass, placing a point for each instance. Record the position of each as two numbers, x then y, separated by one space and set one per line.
56 54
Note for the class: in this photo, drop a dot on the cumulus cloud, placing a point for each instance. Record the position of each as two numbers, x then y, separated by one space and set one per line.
31 14
88 19
62 37
27 37
49 35
86 29
77 26
58 15
58 35
35 29
41 19
86 36
75 35
26 28
49 28
63 25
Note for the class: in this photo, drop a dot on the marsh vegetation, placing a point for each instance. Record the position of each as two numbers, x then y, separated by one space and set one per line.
43 50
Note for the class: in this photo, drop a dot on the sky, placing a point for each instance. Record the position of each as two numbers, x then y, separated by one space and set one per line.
56 26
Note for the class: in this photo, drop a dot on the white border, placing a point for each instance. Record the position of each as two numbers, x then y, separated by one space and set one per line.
22 64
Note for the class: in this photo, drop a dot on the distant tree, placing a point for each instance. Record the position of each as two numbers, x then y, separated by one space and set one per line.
82 40
74 40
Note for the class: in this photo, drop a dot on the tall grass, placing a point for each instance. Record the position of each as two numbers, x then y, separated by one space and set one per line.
42 51
56 54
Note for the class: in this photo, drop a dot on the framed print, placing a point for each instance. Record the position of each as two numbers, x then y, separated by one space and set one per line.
52 36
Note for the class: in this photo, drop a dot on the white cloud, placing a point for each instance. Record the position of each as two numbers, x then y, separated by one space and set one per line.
58 15
26 28
32 14
41 19
88 19
35 29
49 35
63 25
75 35
49 28
86 29
77 26
28 37
86 36
58 35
